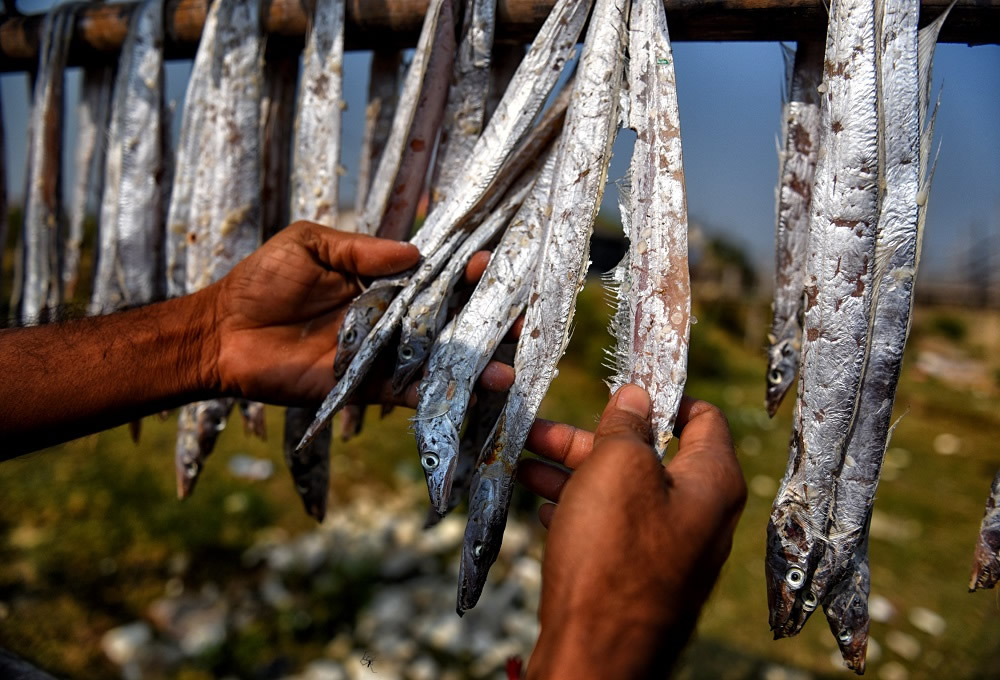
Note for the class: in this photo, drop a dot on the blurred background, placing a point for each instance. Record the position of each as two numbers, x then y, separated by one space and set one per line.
104 574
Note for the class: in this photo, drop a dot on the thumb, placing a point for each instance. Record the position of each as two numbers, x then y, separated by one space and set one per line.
626 415
354 253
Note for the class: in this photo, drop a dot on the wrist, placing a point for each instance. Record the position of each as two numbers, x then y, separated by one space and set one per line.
200 349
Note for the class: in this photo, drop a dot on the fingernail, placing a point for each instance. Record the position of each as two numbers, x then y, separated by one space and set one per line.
633 399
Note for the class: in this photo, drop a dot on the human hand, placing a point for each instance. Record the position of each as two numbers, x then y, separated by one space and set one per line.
277 314
634 547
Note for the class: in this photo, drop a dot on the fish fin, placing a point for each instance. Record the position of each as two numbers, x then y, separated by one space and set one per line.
617 285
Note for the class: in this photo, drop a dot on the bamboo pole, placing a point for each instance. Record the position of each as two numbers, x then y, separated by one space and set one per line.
101 28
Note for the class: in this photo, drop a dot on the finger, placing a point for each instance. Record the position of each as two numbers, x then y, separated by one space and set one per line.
497 377
545 514
515 330
626 415
477 265
355 253
561 443
543 479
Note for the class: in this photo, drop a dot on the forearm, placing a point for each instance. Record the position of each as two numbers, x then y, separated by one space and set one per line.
62 381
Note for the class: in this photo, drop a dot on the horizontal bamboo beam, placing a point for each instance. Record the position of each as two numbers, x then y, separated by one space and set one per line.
101 28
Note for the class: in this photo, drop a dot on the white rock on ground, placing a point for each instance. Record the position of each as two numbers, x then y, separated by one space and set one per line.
893 670
903 644
121 645
929 622
880 609
324 669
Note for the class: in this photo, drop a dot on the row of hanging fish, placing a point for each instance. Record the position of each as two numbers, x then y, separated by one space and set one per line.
854 178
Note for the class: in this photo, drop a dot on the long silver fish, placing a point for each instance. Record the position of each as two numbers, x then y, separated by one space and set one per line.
465 111
986 562
41 292
277 119
225 210
838 290
383 96
130 240
800 149
524 97
655 303
96 90
577 187
846 609
896 257
399 179
315 190
443 395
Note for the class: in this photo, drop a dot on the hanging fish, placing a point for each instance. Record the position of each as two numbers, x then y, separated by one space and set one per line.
846 608
383 97
532 83
444 393
41 291
96 91
464 113
577 186
986 563
399 179
799 151
838 292
129 268
653 323
224 218
277 119
315 190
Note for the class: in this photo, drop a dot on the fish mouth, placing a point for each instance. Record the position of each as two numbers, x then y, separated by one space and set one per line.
440 487
855 653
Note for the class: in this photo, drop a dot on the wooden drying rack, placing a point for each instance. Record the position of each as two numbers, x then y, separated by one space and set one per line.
100 29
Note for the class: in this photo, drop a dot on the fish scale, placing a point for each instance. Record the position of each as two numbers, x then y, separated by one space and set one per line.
798 155
838 293
314 197
653 324
578 182
224 217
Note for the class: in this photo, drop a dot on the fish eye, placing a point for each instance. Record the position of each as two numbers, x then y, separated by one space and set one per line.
350 335
795 577
477 549
430 461
191 469
405 352
774 377
844 636
809 601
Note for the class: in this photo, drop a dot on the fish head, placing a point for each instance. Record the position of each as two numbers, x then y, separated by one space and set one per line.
414 346
782 367
199 426
483 535
437 444
787 569
359 320
847 613
986 561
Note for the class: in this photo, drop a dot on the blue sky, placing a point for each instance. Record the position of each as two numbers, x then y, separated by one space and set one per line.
729 96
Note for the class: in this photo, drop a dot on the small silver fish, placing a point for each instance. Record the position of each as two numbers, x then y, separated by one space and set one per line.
986 562
838 289
96 90
798 155
41 291
310 468
383 97
654 318
359 320
846 608
224 217
129 268
465 111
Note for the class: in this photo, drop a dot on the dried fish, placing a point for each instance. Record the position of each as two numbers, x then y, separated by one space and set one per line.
96 91
129 267
525 96
314 197
399 179
383 96
223 225
578 183
444 393
986 563
800 148
427 313
846 608
654 318
42 286
464 114
838 290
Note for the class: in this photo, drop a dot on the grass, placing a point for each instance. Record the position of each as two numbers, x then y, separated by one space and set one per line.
91 531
